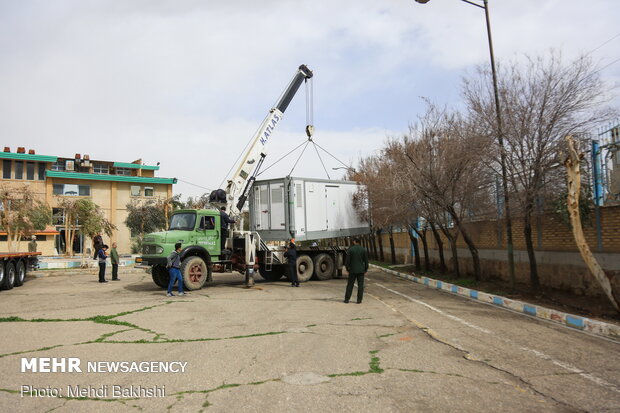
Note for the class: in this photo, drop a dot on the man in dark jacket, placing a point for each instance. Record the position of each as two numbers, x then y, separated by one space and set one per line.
357 266
291 258
101 256
224 221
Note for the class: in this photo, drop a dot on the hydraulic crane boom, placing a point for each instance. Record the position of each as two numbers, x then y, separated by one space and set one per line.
241 182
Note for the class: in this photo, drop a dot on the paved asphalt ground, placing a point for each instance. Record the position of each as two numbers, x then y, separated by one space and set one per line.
273 348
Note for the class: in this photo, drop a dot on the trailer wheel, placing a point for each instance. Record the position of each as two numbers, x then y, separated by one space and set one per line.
20 273
9 276
195 272
2 274
160 275
305 268
324 267
274 274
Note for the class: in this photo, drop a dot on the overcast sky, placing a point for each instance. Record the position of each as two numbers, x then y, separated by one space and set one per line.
187 82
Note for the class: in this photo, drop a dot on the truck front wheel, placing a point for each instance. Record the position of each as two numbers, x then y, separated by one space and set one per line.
160 275
324 267
305 268
195 272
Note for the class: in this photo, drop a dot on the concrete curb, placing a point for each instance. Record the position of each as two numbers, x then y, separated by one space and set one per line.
595 327
66 264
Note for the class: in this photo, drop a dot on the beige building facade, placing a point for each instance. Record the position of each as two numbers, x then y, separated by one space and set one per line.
109 184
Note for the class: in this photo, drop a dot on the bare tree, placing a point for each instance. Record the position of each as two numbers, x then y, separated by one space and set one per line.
21 213
543 101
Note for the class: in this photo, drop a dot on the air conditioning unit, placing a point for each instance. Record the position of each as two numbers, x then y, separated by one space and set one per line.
70 165
86 162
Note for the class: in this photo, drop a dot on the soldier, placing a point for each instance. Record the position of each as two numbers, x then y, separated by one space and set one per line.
357 267
32 245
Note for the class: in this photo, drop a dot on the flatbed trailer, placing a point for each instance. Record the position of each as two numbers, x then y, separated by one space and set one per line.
14 266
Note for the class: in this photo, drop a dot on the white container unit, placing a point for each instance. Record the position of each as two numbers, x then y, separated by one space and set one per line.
304 209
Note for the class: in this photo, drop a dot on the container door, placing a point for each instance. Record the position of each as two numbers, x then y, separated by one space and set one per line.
277 207
332 207
261 207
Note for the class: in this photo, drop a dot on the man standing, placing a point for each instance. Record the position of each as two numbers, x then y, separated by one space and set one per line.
32 245
114 259
174 268
224 221
357 266
101 255
291 257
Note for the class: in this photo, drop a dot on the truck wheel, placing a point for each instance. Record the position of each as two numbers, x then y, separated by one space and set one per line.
274 274
20 273
195 272
2 274
324 267
160 275
305 268
9 276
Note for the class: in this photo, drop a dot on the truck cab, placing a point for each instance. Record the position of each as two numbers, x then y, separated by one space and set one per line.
199 233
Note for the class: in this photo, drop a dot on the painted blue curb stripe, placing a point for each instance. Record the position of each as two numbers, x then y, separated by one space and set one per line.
498 301
574 321
455 289
426 281
473 294
439 284
528 309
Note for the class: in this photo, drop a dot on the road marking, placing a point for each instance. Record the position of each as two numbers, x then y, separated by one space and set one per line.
566 366
437 310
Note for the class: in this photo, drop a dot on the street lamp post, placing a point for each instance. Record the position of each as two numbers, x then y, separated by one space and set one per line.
500 141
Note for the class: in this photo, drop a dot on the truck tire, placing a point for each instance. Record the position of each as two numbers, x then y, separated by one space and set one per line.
9 276
305 268
324 267
20 273
160 275
195 272
276 272
2 273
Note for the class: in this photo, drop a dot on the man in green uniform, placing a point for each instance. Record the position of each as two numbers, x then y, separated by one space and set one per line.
357 266
115 261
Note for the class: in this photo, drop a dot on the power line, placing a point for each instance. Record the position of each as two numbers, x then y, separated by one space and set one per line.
189 183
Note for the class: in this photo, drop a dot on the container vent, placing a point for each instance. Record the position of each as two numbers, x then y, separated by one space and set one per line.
299 196
276 195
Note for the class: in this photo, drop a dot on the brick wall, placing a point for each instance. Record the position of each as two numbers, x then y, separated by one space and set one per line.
559 262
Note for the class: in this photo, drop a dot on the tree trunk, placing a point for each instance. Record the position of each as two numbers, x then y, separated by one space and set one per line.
527 232
470 244
439 242
416 249
380 241
373 245
574 188
455 254
422 236
392 249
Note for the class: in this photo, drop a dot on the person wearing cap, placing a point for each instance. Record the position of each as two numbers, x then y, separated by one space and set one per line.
291 257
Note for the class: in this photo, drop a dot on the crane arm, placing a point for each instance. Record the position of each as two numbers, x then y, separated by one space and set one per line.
241 182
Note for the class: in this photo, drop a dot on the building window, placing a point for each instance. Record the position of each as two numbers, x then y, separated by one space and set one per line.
30 171
6 169
123 171
148 191
71 190
135 190
19 170
101 168
58 166
41 171
58 216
